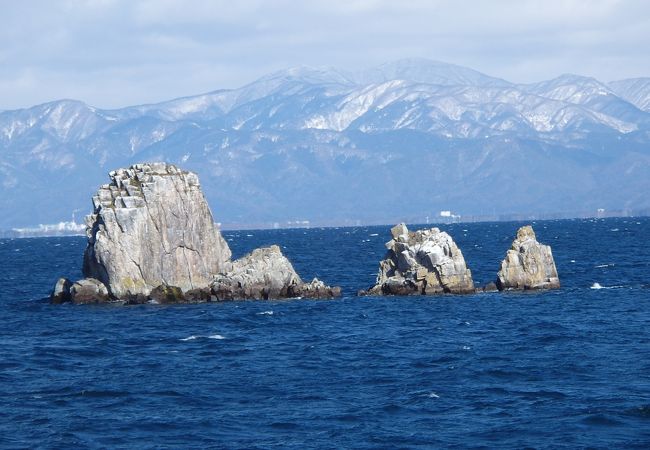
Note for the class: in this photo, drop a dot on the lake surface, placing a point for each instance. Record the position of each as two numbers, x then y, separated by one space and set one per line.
567 368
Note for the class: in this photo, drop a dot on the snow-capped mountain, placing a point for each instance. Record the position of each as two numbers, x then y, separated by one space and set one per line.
400 141
635 91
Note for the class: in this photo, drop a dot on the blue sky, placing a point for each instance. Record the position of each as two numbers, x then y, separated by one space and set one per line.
113 53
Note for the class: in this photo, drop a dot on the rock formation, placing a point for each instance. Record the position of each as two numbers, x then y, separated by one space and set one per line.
528 264
421 262
152 237
151 226
266 274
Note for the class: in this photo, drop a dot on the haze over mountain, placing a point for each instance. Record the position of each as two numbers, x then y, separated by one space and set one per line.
400 141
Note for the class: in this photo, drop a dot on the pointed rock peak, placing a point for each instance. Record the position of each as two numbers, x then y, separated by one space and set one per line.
528 264
525 232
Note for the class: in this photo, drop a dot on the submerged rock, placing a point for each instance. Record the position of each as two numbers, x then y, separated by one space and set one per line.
152 226
266 273
528 264
421 262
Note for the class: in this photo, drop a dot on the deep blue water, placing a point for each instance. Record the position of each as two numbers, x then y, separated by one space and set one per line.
568 368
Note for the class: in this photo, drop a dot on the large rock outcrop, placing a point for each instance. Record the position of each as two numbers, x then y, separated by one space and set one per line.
152 238
422 262
266 273
528 264
152 226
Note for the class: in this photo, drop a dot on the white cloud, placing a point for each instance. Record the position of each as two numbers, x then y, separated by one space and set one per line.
115 53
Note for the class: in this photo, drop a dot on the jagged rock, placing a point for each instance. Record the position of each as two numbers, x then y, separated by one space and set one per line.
314 289
89 290
61 292
136 299
266 273
152 226
528 264
198 295
421 262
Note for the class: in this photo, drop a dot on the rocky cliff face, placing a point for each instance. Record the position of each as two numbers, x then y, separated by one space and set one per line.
528 264
422 262
152 226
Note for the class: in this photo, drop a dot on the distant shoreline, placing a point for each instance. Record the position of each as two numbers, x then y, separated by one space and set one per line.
228 227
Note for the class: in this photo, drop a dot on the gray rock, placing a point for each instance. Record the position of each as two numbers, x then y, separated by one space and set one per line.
421 262
528 264
164 294
490 287
266 273
152 238
152 226
313 289
61 292
89 290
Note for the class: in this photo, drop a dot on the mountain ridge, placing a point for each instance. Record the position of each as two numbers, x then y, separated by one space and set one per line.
281 147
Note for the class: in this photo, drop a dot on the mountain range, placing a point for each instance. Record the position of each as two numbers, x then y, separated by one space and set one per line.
401 141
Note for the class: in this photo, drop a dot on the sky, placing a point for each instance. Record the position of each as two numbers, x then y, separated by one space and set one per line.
116 53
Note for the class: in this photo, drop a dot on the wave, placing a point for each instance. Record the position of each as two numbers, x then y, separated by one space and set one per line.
599 286
194 337
190 338
265 313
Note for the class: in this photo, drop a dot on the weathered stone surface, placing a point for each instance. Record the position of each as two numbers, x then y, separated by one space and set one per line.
528 264
198 295
313 289
61 292
422 262
89 290
266 273
152 226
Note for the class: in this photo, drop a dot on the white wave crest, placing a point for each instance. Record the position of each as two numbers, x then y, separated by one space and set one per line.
194 337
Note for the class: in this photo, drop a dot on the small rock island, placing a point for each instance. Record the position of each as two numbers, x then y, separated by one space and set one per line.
421 263
152 238
428 262
528 264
